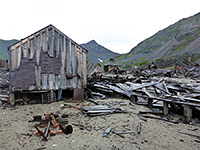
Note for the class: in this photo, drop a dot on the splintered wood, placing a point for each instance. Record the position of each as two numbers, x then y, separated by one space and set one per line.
167 93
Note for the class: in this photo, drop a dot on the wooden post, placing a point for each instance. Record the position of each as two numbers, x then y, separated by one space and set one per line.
52 97
150 101
133 98
165 108
187 111
12 98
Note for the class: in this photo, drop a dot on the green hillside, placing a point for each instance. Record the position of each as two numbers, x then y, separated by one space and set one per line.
168 45
4 44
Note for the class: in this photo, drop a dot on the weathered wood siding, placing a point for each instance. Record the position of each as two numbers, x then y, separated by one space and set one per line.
49 60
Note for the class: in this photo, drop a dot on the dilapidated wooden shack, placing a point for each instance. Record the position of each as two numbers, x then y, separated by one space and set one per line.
48 60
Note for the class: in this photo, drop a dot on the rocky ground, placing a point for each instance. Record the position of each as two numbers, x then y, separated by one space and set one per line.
17 133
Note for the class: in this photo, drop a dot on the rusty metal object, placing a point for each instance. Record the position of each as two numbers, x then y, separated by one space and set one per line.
67 130
45 138
78 94
47 129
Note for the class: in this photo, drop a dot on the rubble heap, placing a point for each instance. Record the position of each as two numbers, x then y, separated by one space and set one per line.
4 78
175 95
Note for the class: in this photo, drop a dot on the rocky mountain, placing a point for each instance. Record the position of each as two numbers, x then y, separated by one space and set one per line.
4 44
97 53
167 46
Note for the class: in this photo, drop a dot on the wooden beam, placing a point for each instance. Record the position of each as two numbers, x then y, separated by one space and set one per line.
165 108
187 112
150 102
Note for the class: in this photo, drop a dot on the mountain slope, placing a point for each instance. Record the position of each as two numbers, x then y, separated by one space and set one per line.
97 52
4 44
173 42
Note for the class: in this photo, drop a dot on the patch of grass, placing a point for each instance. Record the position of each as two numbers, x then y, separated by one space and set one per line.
171 67
127 66
120 57
142 62
160 59
181 47
141 58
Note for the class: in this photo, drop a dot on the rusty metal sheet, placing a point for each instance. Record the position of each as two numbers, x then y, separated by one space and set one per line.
50 65
78 94
25 76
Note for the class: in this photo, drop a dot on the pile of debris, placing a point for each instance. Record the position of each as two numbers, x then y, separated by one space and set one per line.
100 110
53 124
180 70
170 94
4 78
4 86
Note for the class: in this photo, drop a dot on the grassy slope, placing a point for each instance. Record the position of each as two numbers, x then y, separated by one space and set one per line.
169 42
4 44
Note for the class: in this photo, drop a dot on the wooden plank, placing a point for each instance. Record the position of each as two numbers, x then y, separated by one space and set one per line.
28 47
44 81
16 57
38 76
68 63
19 54
187 111
85 68
74 65
38 50
31 54
143 85
46 40
12 98
150 103
57 82
63 57
58 46
22 50
51 81
25 50
12 59
79 67
41 41
165 108
51 42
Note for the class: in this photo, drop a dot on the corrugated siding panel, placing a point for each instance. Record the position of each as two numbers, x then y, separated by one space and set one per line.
62 70
78 53
57 82
44 81
68 63
31 54
51 81
85 68
38 76
25 50
74 66
38 50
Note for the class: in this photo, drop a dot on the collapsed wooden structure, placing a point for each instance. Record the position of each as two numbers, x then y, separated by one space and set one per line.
170 94
47 60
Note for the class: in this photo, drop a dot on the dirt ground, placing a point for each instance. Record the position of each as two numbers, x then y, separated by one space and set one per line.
17 133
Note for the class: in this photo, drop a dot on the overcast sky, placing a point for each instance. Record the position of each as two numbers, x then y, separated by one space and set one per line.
118 25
